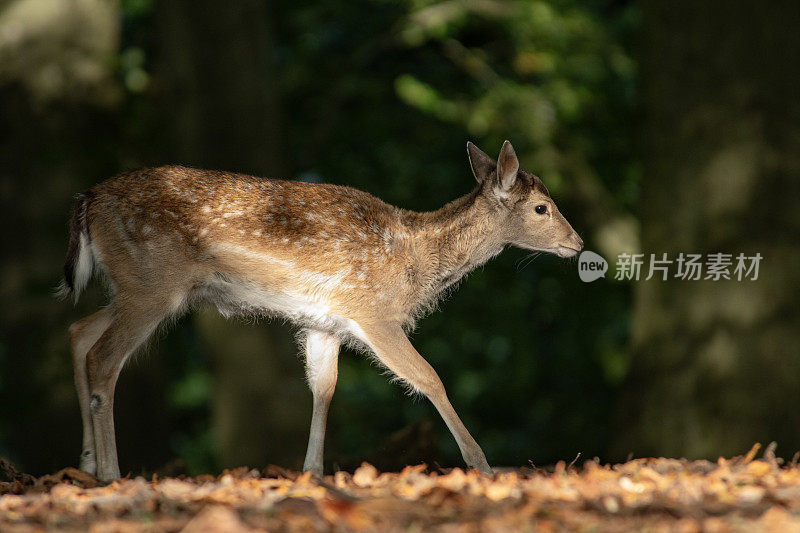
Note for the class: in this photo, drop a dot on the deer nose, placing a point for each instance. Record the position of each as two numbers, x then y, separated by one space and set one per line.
578 241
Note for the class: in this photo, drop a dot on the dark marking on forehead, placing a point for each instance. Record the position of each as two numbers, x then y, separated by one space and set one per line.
533 182
539 186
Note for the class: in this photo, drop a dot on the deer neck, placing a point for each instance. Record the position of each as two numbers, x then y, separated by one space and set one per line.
461 236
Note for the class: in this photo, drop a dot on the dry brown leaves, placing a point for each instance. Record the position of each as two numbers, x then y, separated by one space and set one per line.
741 494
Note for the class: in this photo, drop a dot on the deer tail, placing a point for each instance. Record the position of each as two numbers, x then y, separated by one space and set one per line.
80 259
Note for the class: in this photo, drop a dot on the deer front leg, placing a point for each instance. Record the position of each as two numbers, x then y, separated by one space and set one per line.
322 360
394 350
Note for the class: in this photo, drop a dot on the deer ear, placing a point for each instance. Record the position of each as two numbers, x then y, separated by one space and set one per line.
507 167
482 165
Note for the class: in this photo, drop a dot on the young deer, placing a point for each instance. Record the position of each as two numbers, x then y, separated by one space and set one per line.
340 263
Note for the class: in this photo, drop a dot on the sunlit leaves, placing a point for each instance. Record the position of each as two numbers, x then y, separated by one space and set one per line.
424 97
739 494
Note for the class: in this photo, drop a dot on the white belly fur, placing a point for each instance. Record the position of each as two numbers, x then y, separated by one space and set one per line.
237 297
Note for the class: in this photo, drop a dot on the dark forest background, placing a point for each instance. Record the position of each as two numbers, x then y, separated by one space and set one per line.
659 127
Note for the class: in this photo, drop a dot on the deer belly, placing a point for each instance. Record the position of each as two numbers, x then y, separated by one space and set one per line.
241 297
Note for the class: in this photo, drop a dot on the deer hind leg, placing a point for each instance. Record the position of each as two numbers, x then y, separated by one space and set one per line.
128 329
394 350
322 360
83 334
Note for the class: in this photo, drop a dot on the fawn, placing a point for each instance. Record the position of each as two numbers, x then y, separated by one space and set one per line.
342 265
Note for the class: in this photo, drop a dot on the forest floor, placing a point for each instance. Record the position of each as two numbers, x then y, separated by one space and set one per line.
740 494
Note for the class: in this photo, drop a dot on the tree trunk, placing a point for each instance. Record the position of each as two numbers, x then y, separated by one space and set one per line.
221 111
716 364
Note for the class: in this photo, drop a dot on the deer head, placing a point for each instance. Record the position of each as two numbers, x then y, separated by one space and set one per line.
529 218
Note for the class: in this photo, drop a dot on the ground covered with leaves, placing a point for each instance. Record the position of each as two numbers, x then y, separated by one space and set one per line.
740 494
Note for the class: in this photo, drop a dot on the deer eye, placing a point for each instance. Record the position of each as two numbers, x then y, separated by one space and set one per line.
541 209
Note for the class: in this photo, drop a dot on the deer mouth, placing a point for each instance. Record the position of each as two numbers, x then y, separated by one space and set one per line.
565 251
559 250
